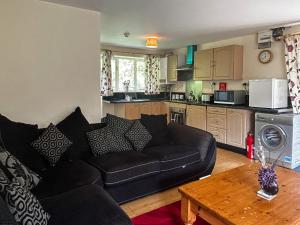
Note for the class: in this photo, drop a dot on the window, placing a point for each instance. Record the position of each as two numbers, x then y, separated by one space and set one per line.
124 69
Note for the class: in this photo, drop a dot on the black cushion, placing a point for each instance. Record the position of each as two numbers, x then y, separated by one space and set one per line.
75 126
17 138
66 175
6 218
121 167
157 126
138 136
87 205
52 144
120 126
174 156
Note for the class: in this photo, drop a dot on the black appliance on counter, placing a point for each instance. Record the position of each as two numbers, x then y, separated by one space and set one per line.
233 97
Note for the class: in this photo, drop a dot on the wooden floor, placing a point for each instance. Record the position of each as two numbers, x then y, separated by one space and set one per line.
225 160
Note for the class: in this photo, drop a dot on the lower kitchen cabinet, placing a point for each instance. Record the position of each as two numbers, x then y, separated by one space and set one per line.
145 108
196 116
238 126
155 108
229 126
218 133
133 111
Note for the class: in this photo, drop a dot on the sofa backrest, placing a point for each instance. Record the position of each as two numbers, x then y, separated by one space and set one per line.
6 218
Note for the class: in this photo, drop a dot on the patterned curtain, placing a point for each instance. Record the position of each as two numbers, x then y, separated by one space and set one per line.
152 75
292 61
106 76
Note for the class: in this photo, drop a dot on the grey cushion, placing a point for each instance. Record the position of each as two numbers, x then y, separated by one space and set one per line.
120 126
52 144
24 205
25 176
138 135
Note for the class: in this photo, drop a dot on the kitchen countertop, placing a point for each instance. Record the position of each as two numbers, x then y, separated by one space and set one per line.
119 101
255 109
245 107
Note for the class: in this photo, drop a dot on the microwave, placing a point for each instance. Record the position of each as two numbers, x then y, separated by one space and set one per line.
234 97
268 93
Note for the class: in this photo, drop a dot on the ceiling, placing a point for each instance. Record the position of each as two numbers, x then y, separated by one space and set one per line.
182 22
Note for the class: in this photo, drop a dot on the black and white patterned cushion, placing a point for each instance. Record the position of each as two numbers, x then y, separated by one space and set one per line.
138 135
24 175
51 144
120 127
24 206
4 181
103 141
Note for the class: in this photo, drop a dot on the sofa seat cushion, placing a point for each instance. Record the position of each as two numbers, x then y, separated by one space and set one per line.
87 205
122 167
66 175
174 156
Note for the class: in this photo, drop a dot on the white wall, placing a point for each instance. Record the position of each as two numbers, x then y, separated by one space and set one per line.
49 61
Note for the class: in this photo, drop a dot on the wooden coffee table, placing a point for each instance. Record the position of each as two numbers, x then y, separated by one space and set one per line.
230 198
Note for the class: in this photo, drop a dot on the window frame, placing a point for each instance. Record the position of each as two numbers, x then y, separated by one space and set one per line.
136 59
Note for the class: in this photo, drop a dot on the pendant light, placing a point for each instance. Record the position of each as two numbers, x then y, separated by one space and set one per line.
151 42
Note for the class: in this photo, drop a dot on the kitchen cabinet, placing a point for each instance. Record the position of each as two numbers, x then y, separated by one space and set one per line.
145 108
132 111
216 123
196 116
229 126
171 68
228 63
224 63
203 64
238 126
155 108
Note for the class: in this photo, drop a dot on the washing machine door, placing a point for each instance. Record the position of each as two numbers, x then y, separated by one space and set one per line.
273 137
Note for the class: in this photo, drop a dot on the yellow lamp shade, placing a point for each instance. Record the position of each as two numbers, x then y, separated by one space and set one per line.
151 42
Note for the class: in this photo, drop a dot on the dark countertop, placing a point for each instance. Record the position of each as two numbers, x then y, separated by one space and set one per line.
245 107
118 101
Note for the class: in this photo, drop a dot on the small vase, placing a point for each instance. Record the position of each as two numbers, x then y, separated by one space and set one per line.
268 180
271 189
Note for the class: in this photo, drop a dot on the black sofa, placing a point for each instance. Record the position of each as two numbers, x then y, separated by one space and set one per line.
86 190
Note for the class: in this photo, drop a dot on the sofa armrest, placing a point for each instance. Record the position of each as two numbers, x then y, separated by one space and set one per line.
189 136
87 205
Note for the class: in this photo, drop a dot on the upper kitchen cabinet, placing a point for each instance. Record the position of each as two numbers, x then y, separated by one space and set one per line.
203 64
228 63
171 69
224 63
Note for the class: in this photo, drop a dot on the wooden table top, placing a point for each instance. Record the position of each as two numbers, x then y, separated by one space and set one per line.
231 197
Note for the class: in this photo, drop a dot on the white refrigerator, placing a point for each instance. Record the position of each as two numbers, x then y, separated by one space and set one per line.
268 93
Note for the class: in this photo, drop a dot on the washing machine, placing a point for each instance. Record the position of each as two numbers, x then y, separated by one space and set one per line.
280 136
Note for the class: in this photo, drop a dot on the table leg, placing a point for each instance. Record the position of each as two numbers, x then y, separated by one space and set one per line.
187 214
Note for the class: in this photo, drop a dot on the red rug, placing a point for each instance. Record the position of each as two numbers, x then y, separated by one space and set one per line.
166 215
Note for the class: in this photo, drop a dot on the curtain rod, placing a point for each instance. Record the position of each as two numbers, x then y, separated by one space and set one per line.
133 53
288 35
